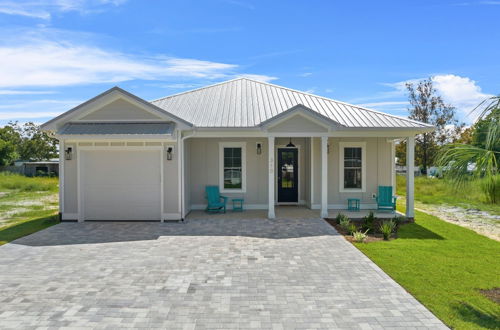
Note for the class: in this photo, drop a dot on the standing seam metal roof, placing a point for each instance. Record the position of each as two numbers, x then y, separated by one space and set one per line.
245 102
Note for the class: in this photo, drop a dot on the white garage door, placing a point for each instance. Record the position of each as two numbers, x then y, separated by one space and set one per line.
121 184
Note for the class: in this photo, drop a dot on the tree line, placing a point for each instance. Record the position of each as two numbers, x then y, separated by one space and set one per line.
25 142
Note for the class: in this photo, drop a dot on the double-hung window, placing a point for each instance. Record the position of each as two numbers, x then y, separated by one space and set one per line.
352 166
232 174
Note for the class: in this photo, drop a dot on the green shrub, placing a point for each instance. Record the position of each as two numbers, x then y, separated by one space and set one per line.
359 236
344 223
368 222
352 228
386 228
340 217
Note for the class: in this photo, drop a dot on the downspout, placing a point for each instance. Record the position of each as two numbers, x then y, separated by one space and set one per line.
183 201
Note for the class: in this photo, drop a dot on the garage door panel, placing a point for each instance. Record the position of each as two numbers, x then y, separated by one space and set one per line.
121 184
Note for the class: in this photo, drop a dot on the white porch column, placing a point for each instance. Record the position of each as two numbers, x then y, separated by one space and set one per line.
270 149
324 176
410 177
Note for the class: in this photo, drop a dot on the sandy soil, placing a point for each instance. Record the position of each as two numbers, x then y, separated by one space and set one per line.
480 221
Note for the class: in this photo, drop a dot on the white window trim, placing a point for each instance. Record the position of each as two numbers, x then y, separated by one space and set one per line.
241 145
361 145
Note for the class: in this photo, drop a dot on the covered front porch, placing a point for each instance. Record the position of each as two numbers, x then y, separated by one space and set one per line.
299 159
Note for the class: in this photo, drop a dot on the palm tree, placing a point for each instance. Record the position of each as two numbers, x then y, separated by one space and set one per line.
459 158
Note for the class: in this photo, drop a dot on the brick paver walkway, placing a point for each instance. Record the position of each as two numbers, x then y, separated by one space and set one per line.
217 273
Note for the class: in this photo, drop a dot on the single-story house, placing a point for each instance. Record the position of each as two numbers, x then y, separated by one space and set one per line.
124 158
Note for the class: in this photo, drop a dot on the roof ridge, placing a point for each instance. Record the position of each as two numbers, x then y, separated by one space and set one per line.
337 101
296 91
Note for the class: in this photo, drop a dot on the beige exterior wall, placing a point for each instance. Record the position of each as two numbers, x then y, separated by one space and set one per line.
203 164
203 160
298 123
378 170
120 110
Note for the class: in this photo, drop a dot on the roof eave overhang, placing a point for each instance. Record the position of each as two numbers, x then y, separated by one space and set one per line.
143 137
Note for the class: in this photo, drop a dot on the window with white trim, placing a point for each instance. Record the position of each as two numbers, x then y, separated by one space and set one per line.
232 175
352 166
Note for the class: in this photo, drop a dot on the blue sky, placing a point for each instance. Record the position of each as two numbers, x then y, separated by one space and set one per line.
57 54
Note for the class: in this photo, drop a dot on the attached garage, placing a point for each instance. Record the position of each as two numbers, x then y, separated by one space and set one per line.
120 184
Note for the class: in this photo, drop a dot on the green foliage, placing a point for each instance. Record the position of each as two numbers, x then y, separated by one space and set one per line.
11 181
29 141
428 107
344 223
368 222
8 153
457 158
387 228
359 236
481 129
341 217
351 228
443 266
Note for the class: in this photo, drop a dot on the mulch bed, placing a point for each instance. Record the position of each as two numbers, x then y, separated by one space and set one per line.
492 294
370 237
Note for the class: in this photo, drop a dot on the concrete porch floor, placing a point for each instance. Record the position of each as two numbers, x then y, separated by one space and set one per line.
288 212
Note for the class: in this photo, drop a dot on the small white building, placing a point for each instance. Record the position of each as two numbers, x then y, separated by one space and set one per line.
125 158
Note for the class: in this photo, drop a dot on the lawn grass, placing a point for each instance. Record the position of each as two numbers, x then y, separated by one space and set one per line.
439 191
443 266
27 205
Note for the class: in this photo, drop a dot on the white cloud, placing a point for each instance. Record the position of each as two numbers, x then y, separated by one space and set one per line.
44 9
305 74
15 109
50 63
462 92
24 92
383 104
258 77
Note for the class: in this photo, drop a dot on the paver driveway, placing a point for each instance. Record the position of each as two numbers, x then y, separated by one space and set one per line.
218 273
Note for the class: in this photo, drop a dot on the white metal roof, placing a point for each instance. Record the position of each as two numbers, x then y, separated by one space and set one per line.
245 102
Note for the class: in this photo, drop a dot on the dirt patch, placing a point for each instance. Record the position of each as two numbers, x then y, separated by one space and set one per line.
492 294
374 237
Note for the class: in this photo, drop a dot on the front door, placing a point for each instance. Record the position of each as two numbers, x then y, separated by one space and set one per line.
288 175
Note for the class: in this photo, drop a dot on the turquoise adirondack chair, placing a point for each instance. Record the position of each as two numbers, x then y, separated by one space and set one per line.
216 202
385 199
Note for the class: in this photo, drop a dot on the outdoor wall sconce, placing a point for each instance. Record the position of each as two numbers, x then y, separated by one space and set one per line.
68 153
170 152
259 148
327 148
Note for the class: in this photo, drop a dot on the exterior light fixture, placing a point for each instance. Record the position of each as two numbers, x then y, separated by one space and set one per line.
328 148
170 152
68 153
259 148
290 144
